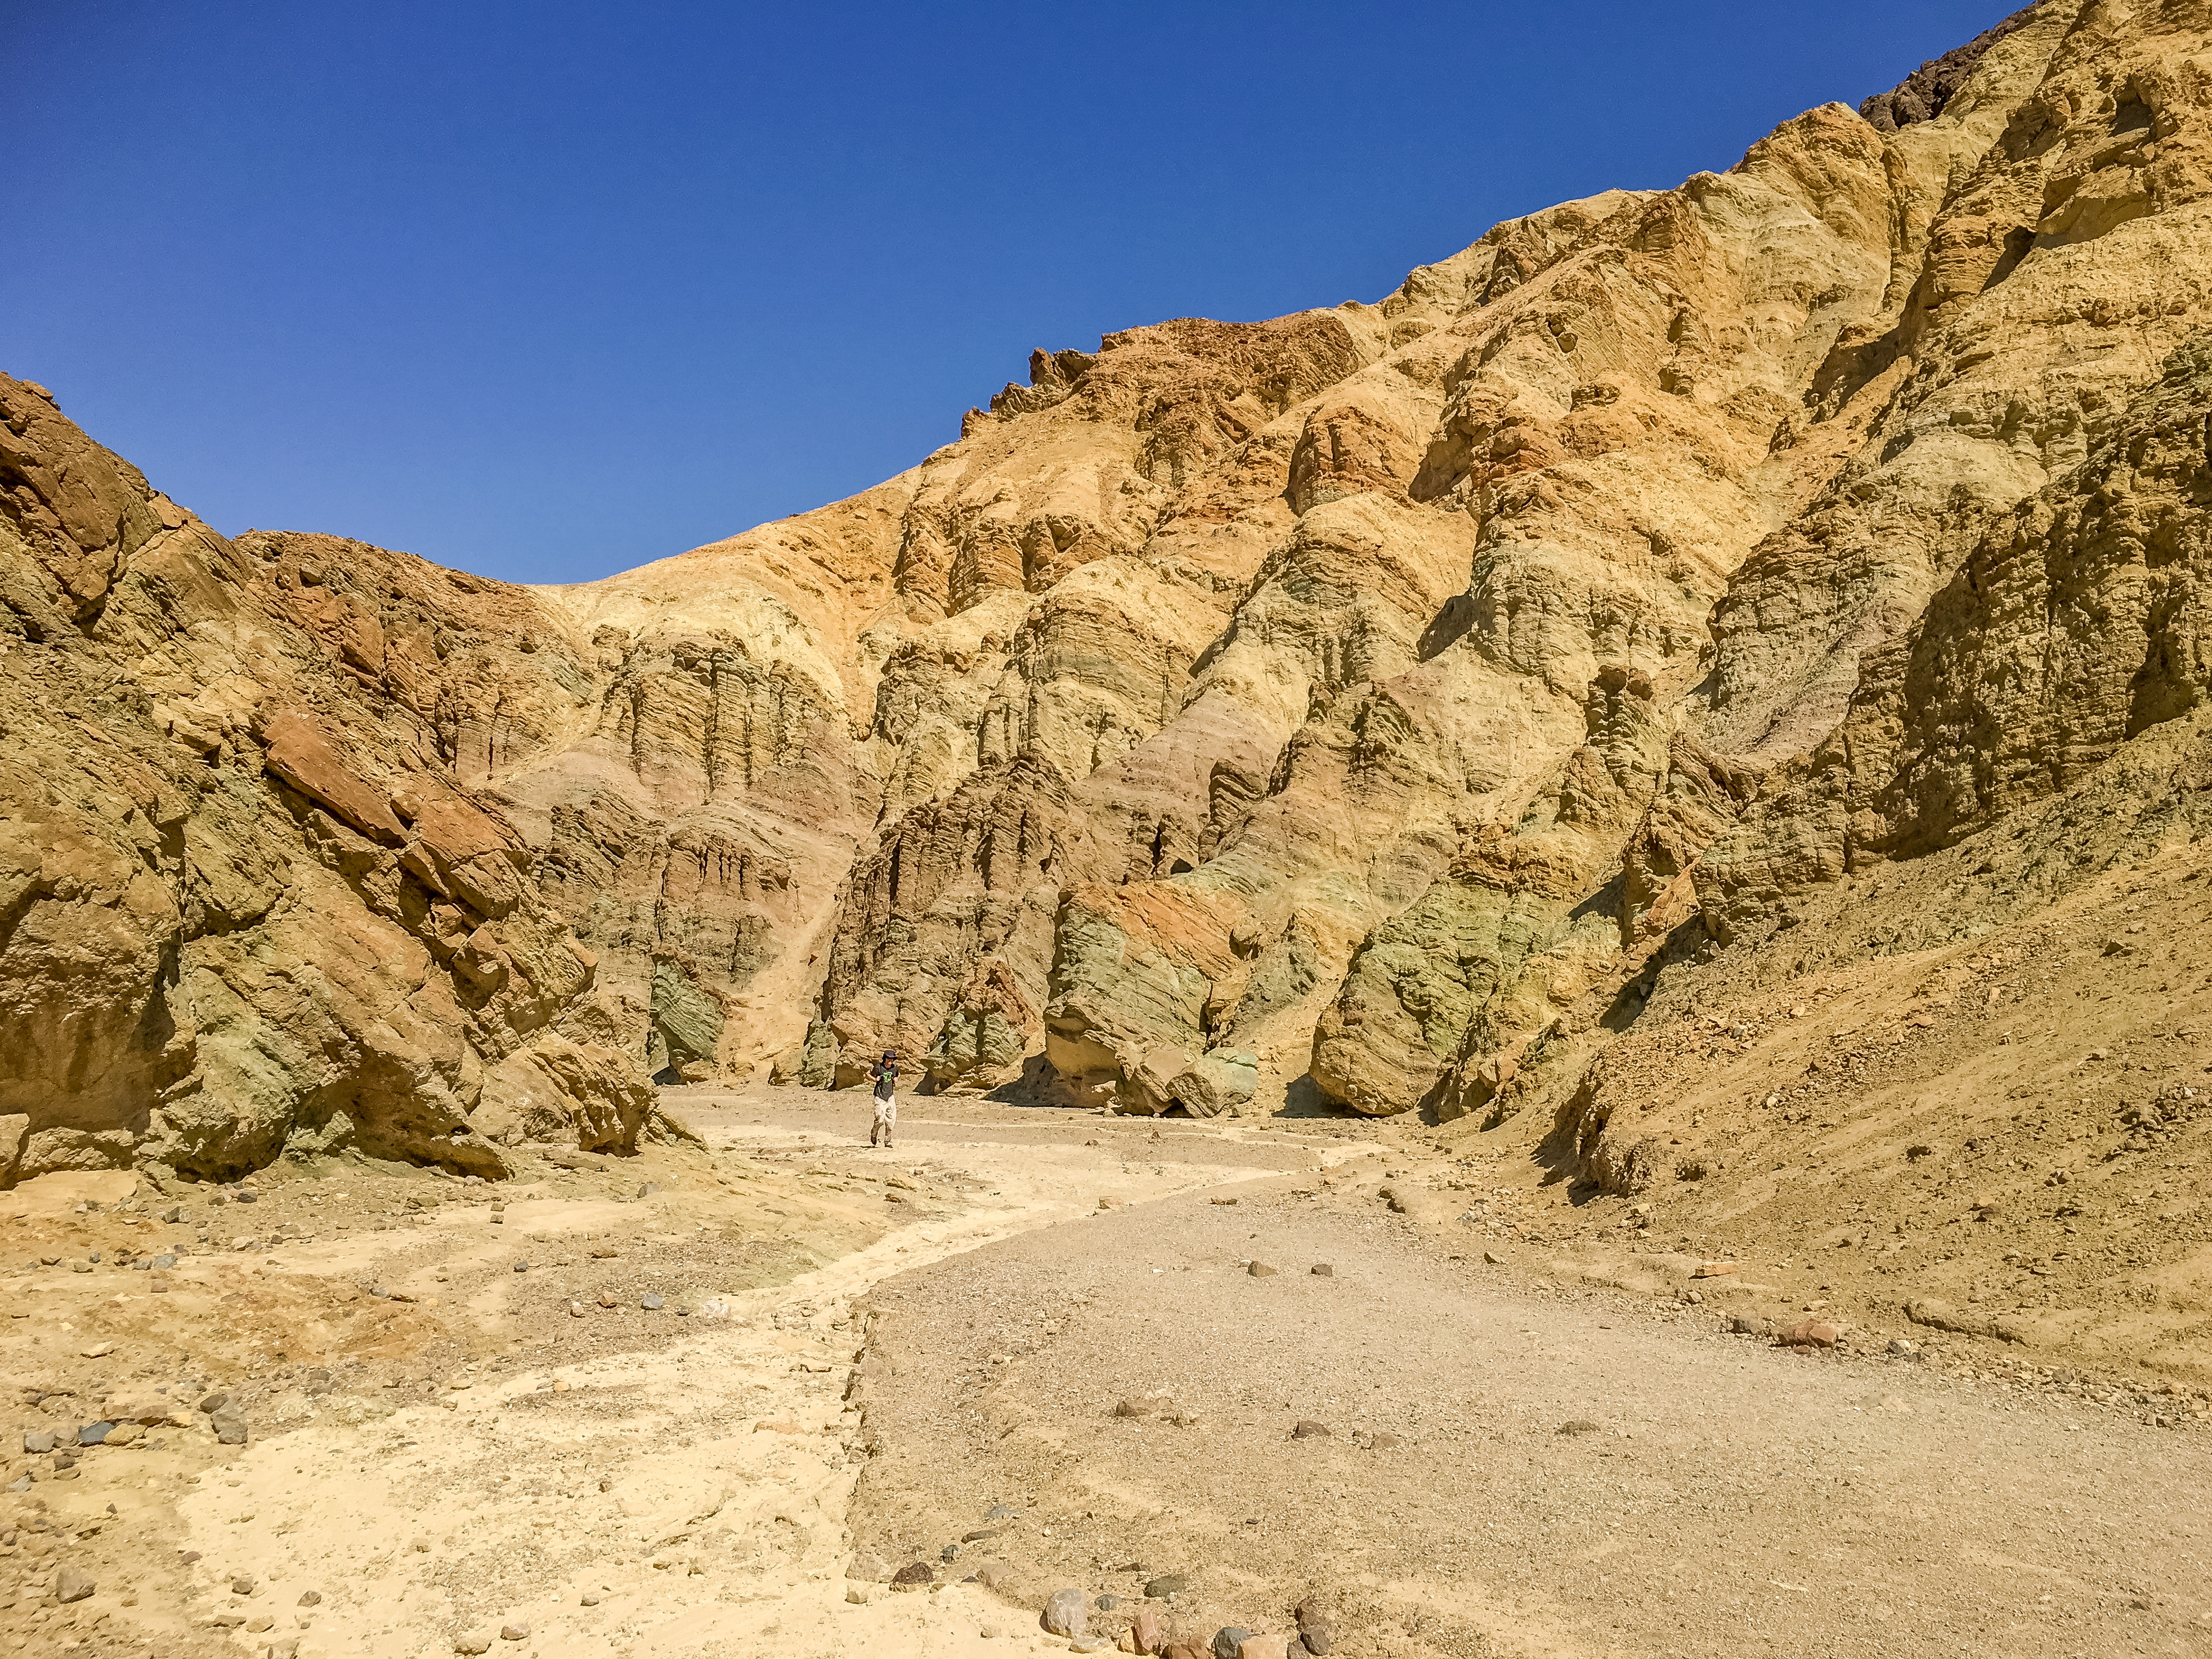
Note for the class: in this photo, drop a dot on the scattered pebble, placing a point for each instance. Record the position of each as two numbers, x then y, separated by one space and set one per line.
1260 1270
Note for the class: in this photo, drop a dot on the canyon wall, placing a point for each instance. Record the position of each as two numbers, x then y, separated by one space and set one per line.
1335 709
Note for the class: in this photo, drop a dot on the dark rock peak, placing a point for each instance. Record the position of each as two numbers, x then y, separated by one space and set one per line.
1922 95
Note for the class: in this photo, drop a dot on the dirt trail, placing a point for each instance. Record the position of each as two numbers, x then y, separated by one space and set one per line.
1499 1467
500 1452
541 1448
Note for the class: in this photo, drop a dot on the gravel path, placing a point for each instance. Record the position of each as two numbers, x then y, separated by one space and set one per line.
540 1449
1573 1472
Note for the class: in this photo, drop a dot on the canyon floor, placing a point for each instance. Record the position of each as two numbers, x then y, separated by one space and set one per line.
1528 1430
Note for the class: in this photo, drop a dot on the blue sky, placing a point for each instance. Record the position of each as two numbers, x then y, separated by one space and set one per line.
547 291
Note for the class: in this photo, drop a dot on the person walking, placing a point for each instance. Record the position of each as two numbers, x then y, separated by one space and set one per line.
886 1077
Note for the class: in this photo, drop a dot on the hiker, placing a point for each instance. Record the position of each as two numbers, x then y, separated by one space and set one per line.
886 1077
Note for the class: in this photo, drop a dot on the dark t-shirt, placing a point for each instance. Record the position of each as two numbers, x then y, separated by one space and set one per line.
886 1080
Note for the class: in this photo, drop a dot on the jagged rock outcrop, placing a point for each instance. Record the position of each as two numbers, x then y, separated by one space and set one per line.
1350 696
247 901
1923 94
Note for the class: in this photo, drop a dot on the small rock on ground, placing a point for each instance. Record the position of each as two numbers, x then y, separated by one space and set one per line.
1810 1334
1066 1613
1314 1628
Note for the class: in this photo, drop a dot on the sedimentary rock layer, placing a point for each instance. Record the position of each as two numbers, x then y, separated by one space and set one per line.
1330 705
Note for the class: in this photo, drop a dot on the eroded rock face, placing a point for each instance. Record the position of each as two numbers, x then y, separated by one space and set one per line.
1352 695
248 902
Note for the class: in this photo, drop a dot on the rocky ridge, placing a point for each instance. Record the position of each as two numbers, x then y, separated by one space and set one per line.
1379 707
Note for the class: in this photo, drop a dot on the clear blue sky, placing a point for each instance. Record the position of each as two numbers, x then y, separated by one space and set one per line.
547 291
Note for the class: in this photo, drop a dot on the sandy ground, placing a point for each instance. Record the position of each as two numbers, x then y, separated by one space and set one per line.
857 1355
1493 1467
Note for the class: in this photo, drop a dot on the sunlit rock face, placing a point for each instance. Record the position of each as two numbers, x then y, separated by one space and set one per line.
1316 709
